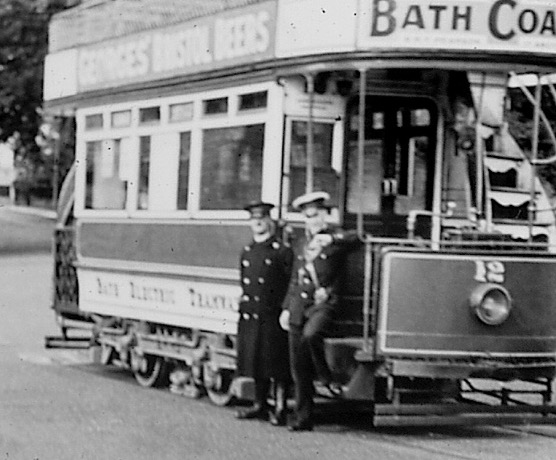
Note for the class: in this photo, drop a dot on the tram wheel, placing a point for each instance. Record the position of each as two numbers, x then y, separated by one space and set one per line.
218 384
150 371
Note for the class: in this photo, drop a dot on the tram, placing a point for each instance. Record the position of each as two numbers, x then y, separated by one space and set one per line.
401 110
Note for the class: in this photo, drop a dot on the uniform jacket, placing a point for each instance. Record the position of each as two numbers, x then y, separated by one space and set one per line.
327 261
262 344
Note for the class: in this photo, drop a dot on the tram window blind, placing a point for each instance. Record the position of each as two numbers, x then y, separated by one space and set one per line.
325 177
93 122
253 101
121 119
231 171
215 106
181 112
149 115
105 188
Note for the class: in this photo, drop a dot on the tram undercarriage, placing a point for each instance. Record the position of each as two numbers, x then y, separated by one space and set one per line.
396 392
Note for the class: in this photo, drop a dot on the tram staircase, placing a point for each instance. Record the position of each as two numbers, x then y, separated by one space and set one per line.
508 182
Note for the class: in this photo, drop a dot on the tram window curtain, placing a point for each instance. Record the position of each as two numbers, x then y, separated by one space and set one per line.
106 187
231 171
158 172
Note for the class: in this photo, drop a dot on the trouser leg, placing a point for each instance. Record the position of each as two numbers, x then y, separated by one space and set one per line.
314 332
280 396
302 373
261 392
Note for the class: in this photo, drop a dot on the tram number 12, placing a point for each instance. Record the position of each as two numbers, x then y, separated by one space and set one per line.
489 272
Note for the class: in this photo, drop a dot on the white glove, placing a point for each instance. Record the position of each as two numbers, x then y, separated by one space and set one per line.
285 320
322 239
320 296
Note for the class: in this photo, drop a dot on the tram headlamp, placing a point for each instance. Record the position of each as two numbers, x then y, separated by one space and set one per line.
491 303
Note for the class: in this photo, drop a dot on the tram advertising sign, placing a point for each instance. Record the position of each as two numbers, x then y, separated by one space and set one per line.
482 25
230 38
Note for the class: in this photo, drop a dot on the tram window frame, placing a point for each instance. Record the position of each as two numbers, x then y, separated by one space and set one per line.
150 115
120 119
247 181
94 122
169 130
243 106
336 163
220 105
111 166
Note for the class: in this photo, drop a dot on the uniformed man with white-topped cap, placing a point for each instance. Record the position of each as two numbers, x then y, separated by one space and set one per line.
311 301
262 345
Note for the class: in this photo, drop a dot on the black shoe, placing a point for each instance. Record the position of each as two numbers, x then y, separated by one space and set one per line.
253 413
303 425
278 418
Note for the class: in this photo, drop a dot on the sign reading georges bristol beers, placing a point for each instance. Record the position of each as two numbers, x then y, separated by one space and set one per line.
513 25
230 38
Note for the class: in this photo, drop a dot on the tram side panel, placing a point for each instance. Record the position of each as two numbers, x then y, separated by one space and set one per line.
446 306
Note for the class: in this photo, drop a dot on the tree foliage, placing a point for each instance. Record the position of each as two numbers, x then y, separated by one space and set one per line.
23 47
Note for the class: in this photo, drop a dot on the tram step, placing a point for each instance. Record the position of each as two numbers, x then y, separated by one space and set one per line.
461 414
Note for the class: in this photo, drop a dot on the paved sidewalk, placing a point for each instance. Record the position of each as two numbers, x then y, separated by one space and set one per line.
30 210
25 229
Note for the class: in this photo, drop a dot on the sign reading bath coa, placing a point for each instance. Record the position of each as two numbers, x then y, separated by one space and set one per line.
513 25
229 38
160 299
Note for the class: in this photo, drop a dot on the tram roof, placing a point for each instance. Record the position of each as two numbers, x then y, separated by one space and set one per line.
98 20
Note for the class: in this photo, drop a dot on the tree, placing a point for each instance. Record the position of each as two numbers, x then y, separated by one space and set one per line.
23 47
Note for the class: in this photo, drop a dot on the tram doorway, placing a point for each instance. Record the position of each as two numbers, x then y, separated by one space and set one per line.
398 171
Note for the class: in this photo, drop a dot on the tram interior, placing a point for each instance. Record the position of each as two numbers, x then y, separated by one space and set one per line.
415 122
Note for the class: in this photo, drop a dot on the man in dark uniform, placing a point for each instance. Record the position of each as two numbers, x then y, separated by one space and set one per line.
262 345
311 302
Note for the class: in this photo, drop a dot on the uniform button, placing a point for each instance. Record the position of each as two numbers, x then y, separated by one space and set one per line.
323 256
261 280
276 245
304 295
247 248
255 316
256 298
246 316
306 280
268 261
245 297
246 281
245 263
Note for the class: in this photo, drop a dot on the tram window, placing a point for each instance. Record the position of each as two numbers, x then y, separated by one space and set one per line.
121 119
420 117
253 101
325 177
215 106
105 187
231 170
149 115
144 166
183 169
93 122
181 112
397 151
